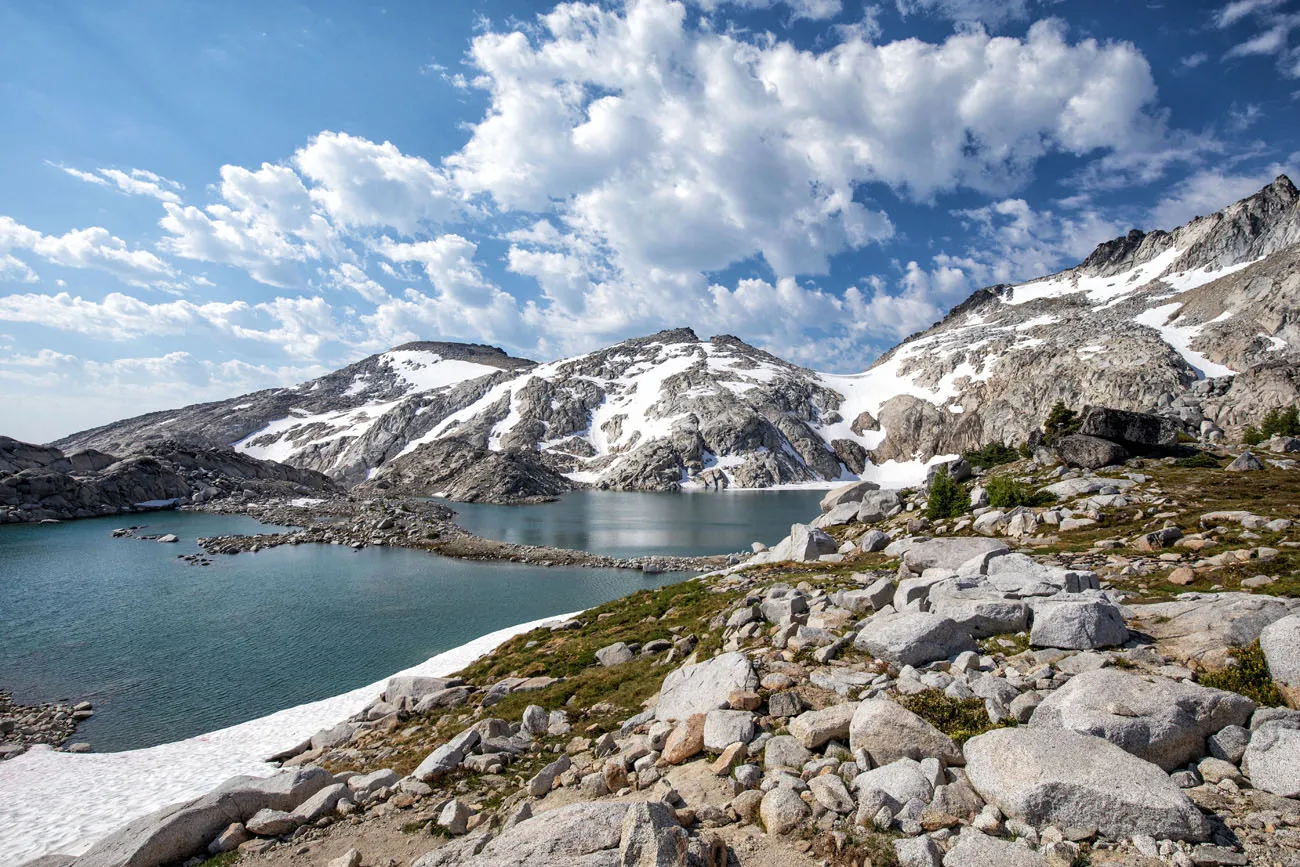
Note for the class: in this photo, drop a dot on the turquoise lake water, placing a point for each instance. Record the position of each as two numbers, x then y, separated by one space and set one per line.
166 650
623 523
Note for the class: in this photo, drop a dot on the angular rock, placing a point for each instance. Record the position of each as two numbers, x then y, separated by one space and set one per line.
414 687
950 552
1280 642
686 740
1081 625
705 686
651 837
174 833
889 732
912 639
815 727
1160 720
876 506
1245 463
722 728
271 823
1089 452
852 493
1272 760
974 849
542 783
614 654
979 611
831 793
446 757
320 804
575 834
1141 429
1053 776
782 810
783 751
899 782
804 544
454 817
917 852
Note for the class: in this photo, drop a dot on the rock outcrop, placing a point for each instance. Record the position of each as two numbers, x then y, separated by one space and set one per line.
52 486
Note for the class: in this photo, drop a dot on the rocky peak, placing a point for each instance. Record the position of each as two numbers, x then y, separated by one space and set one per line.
476 352
667 336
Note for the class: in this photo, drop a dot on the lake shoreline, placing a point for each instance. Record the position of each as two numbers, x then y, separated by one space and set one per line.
41 787
418 525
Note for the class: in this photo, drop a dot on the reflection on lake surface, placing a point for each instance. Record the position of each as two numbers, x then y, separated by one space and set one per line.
621 523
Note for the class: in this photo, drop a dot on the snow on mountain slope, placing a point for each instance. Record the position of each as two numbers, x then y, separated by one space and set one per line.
1137 325
344 424
1198 323
409 372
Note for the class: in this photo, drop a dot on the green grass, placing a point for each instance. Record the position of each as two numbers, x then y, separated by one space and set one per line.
226 859
1247 676
1200 460
959 718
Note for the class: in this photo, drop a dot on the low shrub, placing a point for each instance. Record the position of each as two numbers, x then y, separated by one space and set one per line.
992 455
947 498
1061 421
1252 436
1006 493
959 718
1281 422
1248 675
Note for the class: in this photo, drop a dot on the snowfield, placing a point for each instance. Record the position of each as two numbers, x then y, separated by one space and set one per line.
64 802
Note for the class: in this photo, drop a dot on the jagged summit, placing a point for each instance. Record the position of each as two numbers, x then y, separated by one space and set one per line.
477 352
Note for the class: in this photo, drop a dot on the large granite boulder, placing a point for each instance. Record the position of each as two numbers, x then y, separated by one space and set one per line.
913 638
949 552
851 493
876 506
888 732
1272 760
1047 776
1083 624
175 833
1142 430
1090 453
704 686
1160 720
586 833
1204 627
804 544
1280 641
979 610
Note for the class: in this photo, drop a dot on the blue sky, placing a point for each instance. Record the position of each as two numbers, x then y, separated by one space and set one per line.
198 200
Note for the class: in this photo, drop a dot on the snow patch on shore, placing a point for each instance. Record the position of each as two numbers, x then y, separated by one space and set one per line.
64 802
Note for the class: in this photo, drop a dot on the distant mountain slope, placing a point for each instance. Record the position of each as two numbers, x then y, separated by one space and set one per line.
1198 323
343 424
1140 324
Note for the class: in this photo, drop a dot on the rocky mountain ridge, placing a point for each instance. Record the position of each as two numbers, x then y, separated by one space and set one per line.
1196 324
41 483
